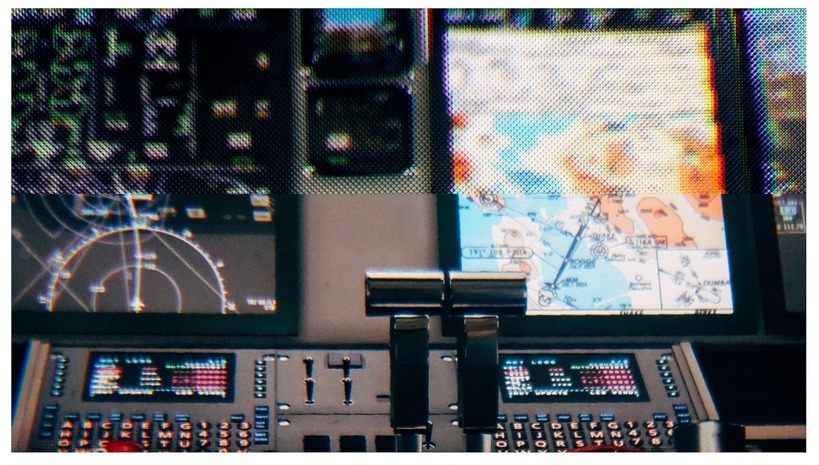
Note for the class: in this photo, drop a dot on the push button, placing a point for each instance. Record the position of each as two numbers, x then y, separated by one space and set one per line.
352 443
316 444
385 443
261 437
502 445
521 445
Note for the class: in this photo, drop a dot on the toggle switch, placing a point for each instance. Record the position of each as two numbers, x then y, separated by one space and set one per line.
308 367
348 391
310 391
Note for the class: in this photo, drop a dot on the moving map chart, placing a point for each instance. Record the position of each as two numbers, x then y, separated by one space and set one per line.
604 255
144 254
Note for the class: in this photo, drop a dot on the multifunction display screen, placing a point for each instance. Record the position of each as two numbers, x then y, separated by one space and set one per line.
571 378
144 254
575 101
604 255
149 100
159 377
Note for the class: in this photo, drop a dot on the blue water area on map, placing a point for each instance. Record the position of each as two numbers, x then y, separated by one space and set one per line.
354 17
606 287
525 131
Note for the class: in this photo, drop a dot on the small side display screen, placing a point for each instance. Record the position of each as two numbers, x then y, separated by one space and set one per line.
159 377
530 378
348 42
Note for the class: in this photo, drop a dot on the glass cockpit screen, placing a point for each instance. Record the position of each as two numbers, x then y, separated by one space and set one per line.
571 378
576 101
159 377
136 254
604 255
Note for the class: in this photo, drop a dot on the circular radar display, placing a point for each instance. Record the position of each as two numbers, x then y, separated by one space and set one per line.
86 215
137 269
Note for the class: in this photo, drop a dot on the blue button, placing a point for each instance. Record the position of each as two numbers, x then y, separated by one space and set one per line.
115 416
606 417
183 417
261 424
683 415
238 417
562 417
542 418
502 418
73 416
49 415
261 409
660 417
670 387
586 417
46 434
138 417
261 437
680 408
521 418
161 417
673 393
94 416
51 407
47 424
684 420
260 395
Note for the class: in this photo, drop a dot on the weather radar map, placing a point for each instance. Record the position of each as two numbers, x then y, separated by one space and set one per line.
540 112
611 254
143 253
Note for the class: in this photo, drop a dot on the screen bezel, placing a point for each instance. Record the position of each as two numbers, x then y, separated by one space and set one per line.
721 26
742 262
282 323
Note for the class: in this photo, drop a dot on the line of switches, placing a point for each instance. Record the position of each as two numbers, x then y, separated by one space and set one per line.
346 380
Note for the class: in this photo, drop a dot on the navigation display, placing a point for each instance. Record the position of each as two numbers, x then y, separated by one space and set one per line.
159 377
138 254
551 107
570 378
603 255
